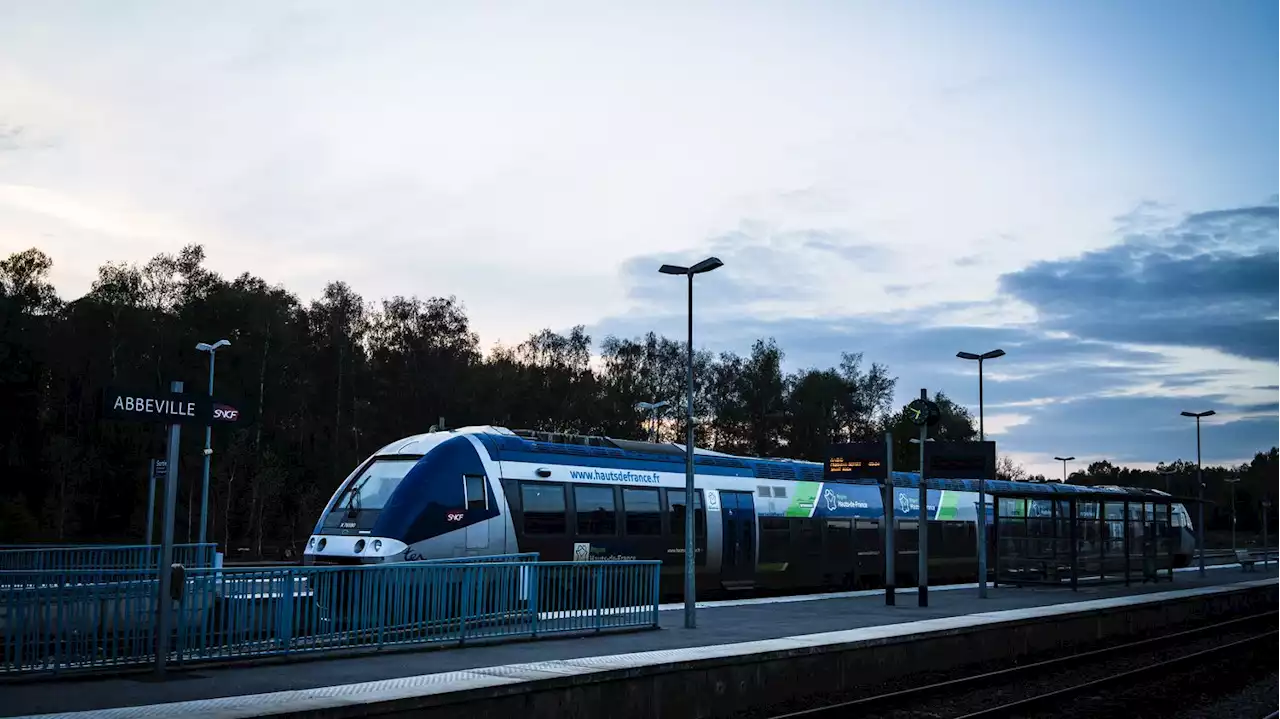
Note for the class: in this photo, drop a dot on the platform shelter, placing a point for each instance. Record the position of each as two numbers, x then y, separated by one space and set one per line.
1056 534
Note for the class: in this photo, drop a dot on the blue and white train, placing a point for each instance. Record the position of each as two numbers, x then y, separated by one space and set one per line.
759 523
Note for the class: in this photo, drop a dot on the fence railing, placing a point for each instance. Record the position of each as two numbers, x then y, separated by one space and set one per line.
485 558
238 613
102 556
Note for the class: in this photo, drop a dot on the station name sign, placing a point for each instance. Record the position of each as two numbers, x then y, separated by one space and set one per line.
165 407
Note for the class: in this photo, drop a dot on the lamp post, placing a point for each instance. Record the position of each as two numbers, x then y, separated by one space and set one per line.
1233 482
1064 461
212 349
1168 478
690 546
652 408
1200 487
982 480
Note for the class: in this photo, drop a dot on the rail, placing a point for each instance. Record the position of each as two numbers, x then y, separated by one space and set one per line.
81 624
101 557
898 699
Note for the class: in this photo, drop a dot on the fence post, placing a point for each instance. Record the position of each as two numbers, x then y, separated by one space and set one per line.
657 586
286 611
599 572
465 610
533 597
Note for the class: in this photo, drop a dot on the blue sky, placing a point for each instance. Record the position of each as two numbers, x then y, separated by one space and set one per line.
1089 185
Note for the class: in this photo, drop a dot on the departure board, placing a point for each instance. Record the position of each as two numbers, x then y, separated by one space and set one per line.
960 460
852 461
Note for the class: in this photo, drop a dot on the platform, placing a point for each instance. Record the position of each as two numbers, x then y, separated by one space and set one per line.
747 623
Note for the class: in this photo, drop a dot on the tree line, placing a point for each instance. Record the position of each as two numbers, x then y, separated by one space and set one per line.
327 382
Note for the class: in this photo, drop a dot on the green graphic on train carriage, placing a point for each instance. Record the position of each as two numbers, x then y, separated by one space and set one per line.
804 499
948 505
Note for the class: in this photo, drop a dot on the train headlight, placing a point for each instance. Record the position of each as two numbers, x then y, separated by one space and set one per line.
359 546
320 546
377 545
311 543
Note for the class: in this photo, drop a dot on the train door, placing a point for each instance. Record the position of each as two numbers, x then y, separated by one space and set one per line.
738 547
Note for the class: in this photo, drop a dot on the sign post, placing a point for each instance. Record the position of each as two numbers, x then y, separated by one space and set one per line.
859 461
890 525
158 469
924 414
164 603
967 460
174 409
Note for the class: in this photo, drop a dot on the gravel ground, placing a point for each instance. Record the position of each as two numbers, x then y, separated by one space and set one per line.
1242 685
1254 701
1161 696
1132 702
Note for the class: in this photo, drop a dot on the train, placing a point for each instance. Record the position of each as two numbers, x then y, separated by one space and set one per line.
759 524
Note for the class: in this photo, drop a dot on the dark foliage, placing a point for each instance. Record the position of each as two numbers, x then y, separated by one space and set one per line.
328 382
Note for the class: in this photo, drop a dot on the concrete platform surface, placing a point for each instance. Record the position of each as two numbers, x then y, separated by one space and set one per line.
720 623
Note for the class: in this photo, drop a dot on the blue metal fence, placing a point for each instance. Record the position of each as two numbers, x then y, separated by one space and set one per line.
484 558
236 613
102 556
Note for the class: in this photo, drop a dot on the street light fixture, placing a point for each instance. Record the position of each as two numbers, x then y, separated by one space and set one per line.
982 480
212 349
652 408
690 547
1064 461
1200 483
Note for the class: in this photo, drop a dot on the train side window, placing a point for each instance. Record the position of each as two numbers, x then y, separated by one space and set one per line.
544 508
675 502
595 510
643 511
474 491
775 539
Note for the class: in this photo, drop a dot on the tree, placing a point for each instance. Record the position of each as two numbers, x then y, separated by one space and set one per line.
1009 470
325 383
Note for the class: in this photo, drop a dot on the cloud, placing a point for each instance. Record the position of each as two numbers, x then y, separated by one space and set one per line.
1209 281
1140 429
1096 369
771 271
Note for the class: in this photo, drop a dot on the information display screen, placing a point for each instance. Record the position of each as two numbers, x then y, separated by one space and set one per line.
852 461
960 460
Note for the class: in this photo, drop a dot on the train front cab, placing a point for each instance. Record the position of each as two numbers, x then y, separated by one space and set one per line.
404 507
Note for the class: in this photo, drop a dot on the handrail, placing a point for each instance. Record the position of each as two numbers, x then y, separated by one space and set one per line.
79 620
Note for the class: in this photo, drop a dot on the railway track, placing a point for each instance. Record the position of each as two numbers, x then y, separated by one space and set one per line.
1053 684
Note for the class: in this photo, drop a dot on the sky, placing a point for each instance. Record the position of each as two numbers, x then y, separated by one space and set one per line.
1088 186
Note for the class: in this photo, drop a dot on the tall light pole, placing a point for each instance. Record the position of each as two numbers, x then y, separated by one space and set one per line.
690 546
1064 461
982 480
982 435
1200 487
212 349
652 408
1233 482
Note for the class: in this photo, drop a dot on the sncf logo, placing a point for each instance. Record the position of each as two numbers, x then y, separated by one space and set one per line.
226 413
453 516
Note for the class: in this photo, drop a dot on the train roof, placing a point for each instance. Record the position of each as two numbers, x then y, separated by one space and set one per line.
557 448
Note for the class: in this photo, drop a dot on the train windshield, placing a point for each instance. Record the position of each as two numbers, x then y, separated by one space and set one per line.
372 488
